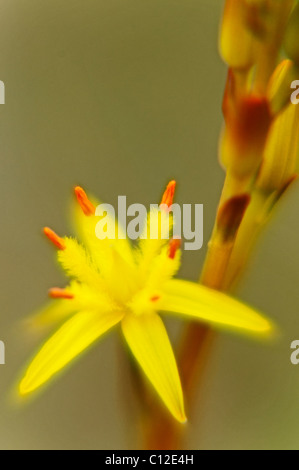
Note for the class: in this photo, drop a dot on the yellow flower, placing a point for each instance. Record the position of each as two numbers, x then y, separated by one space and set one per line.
114 283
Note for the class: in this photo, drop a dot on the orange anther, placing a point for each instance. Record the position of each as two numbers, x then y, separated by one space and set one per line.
169 194
54 238
57 293
174 246
85 204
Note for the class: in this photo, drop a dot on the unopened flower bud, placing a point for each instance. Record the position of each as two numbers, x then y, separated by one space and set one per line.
281 151
247 124
279 88
237 42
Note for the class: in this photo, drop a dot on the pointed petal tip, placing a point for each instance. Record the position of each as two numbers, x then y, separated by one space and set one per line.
182 418
148 340
217 309
70 341
269 330
178 412
23 388
263 326
27 386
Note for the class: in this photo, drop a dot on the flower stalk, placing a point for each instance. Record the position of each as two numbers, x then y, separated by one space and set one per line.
259 149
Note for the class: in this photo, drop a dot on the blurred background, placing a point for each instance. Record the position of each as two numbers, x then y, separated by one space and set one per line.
120 96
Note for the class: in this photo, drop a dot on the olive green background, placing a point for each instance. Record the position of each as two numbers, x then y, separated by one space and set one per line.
121 96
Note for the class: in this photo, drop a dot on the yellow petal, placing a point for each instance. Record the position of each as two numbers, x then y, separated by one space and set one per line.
78 264
51 313
100 250
91 299
212 307
156 234
148 340
69 341
163 268
85 298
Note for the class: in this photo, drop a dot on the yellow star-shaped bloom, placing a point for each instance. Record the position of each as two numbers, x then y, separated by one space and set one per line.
116 283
